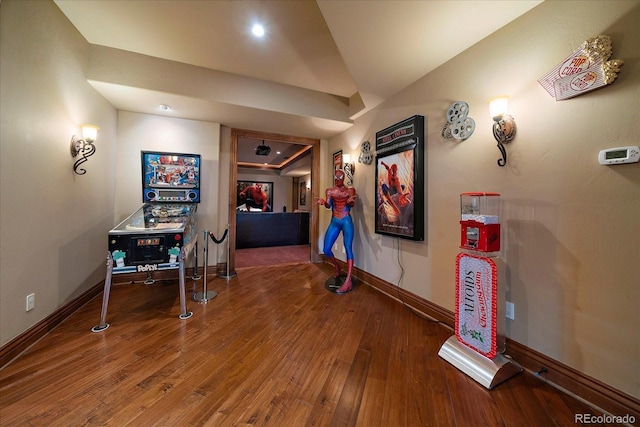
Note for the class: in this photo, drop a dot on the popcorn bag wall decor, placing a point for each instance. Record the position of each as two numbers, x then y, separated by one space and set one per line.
586 69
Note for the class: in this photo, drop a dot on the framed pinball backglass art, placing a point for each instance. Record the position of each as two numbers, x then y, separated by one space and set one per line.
400 180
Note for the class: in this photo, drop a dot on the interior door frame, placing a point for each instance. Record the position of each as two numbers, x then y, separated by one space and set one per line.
314 254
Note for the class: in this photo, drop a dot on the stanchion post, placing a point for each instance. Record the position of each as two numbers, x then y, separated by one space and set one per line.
195 276
205 296
229 275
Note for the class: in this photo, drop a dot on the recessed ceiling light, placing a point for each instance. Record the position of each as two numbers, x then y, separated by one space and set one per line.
257 30
164 107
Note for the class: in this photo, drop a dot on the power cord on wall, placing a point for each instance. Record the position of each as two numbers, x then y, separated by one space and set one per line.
408 307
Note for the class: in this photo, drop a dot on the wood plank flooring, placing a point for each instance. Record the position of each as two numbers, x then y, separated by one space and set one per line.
274 348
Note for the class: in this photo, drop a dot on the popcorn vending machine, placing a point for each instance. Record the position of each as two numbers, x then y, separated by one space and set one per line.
162 233
479 341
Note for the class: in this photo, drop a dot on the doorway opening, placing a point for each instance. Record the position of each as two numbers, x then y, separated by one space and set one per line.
238 135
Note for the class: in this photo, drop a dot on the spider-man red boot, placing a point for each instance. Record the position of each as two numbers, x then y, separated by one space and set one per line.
347 285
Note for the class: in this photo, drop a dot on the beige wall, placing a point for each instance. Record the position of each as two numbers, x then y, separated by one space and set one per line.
52 222
570 225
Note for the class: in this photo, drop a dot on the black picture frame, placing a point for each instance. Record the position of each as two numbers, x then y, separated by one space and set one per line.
400 180
241 200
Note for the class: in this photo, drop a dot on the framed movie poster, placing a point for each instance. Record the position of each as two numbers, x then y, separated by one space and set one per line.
254 196
400 180
303 193
337 164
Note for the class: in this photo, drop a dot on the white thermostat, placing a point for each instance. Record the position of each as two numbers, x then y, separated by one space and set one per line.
620 155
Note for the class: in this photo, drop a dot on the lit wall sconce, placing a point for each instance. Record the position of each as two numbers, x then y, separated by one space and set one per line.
504 126
83 147
349 168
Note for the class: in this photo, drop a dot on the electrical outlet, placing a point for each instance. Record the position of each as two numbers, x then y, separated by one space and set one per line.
31 302
510 312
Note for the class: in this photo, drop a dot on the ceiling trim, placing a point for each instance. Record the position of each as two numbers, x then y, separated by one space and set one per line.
293 158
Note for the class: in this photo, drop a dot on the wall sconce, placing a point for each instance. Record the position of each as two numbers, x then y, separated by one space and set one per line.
504 126
349 168
83 147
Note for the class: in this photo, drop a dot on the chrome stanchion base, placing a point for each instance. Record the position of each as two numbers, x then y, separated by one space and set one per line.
149 280
222 271
203 297
99 328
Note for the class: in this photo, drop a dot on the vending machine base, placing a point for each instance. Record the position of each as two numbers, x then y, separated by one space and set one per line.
487 372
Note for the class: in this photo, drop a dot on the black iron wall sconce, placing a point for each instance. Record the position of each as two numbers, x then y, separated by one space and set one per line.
349 168
83 147
504 126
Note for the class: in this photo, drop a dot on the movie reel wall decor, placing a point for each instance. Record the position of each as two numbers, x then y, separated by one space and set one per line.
459 125
366 155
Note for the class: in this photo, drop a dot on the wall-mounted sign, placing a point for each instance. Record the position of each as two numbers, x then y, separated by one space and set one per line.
586 69
476 303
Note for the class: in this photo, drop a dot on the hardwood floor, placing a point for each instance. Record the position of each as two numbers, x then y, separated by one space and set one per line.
274 348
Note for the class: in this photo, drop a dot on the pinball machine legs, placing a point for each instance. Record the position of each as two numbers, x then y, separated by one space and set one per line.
184 314
105 297
183 298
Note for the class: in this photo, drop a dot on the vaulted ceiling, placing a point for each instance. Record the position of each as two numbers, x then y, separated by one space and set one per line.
319 66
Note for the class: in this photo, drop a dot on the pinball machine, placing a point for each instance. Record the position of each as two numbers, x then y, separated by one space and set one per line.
162 234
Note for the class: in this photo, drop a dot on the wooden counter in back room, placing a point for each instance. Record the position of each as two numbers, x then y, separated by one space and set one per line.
263 229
